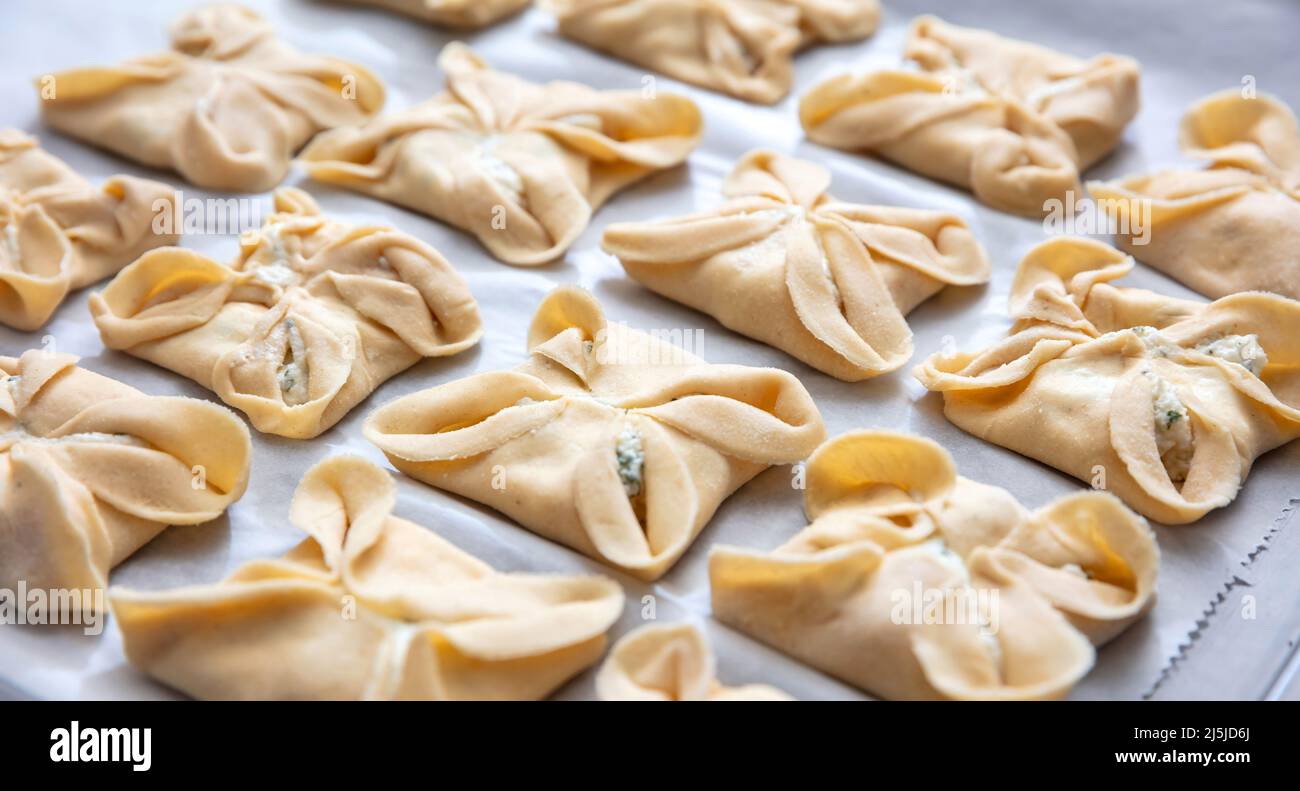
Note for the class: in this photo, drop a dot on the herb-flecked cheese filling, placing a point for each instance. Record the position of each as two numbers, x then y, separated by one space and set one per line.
293 375
630 456
1244 350
1173 429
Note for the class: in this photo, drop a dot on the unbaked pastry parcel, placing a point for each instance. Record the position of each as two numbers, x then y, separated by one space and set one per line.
1013 122
612 441
519 165
785 263
912 582
58 233
744 48
367 606
669 662
452 13
1232 226
226 107
1165 402
92 469
310 318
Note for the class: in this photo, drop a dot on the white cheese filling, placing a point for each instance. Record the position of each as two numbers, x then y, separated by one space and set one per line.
630 455
277 271
955 562
1156 343
1173 429
11 240
497 169
293 374
1038 97
1244 350
99 437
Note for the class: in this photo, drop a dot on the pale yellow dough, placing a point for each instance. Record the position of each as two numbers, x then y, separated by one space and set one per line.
310 318
669 662
1013 122
452 13
519 165
783 262
367 606
91 470
226 107
1079 379
1231 227
744 48
554 443
58 233
1020 598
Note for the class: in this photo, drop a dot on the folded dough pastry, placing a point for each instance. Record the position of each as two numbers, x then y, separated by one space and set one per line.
1165 402
226 107
669 662
611 441
742 47
519 165
58 233
783 262
1231 227
311 317
91 470
367 606
452 13
912 582
1013 122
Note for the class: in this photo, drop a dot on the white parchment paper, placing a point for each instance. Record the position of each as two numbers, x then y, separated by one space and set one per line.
1187 50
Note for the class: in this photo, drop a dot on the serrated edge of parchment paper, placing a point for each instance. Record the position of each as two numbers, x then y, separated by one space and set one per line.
1235 580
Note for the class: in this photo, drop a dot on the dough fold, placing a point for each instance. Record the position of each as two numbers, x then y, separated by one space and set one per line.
744 48
311 317
1013 122
912 582
519 165
226 107
59 234
92 469
467 14
1233 226
783 262
1165 402
367 606
614 442
670 662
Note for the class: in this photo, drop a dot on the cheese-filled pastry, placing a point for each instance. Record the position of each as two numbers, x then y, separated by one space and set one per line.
609 440
521 166
1165 402
744 48
1233 226
912 582
368 606
310 318
452 13
669 662
92 469
785 263
58 233
1013 122
226 107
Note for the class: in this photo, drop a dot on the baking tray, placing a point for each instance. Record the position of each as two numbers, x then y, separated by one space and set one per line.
1187 50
